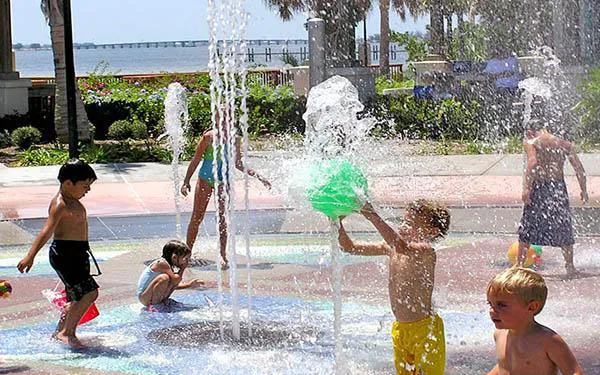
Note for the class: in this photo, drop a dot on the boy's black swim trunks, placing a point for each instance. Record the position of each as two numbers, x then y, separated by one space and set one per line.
546 219
71 262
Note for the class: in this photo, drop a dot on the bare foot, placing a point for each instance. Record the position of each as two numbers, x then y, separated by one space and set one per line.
72 341
224 265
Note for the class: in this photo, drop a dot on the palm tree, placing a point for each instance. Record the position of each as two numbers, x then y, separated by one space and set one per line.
53 11
401 7
340 22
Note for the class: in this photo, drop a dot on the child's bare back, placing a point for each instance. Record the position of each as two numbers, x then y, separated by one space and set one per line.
411 281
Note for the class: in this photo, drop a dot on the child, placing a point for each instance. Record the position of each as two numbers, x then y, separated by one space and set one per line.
206 184
523 346
418 332
546 219
67 221
158 281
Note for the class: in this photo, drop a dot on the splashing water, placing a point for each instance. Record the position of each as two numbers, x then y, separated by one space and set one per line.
554 90
227 22
176 121
332 125
333 130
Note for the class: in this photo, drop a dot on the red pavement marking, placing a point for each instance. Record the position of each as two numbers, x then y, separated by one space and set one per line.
157 197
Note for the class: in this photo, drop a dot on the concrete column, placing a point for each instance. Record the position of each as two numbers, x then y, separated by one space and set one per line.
6 61
316 51
14 92
558 32
588 13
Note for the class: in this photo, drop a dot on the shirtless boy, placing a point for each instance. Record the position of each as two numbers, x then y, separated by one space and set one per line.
67 221
546 219
418 332
523 346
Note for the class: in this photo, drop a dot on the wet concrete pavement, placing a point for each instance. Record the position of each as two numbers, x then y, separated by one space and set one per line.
131 215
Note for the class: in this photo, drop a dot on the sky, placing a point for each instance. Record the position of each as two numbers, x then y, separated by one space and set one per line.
114 21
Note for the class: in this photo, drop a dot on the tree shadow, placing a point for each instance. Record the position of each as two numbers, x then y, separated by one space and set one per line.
14 369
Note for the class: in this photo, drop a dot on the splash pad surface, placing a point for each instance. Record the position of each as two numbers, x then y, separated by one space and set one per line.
292 316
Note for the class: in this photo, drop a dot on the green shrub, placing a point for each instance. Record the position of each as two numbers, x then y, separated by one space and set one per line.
43 156
589 108
199 113
424 119
125 129
383 83
25 137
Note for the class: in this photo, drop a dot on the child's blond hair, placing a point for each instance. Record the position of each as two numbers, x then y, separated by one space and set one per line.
527 285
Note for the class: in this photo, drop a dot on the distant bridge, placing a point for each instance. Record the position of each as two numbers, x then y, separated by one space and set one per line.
187 43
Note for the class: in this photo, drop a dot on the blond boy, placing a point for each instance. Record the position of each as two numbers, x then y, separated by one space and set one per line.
523 346
418 332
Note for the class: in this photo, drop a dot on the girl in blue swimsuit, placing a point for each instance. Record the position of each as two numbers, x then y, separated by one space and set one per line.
206 184
159 279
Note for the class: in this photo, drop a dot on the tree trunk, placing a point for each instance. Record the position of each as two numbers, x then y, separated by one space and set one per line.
339 38
436 24
384 31
449 34
57 35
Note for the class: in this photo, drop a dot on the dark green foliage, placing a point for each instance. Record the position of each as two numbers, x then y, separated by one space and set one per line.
125 129
199 113
589 108
25 137
413 118
120 152
274 110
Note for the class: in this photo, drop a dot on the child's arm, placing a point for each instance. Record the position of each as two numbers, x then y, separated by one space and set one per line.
194 283
239 164
496 369
202 145
558 351
579 172
163 266
528 175
390 236
351 247
54 215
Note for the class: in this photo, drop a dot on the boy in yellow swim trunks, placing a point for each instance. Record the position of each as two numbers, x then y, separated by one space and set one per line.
418 332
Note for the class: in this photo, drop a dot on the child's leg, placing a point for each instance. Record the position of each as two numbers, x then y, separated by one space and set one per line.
523 248
201 197
61 322
222 227
567 252
74 312
159 289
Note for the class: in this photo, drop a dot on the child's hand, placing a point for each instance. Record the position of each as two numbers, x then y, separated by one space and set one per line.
265 182
367 208
197 283
185 189
25 264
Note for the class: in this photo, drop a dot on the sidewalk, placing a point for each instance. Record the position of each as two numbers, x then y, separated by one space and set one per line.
147 188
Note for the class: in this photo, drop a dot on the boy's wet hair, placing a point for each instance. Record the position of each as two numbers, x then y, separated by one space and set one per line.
175 247
434 213
525 284
76 170
536 124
